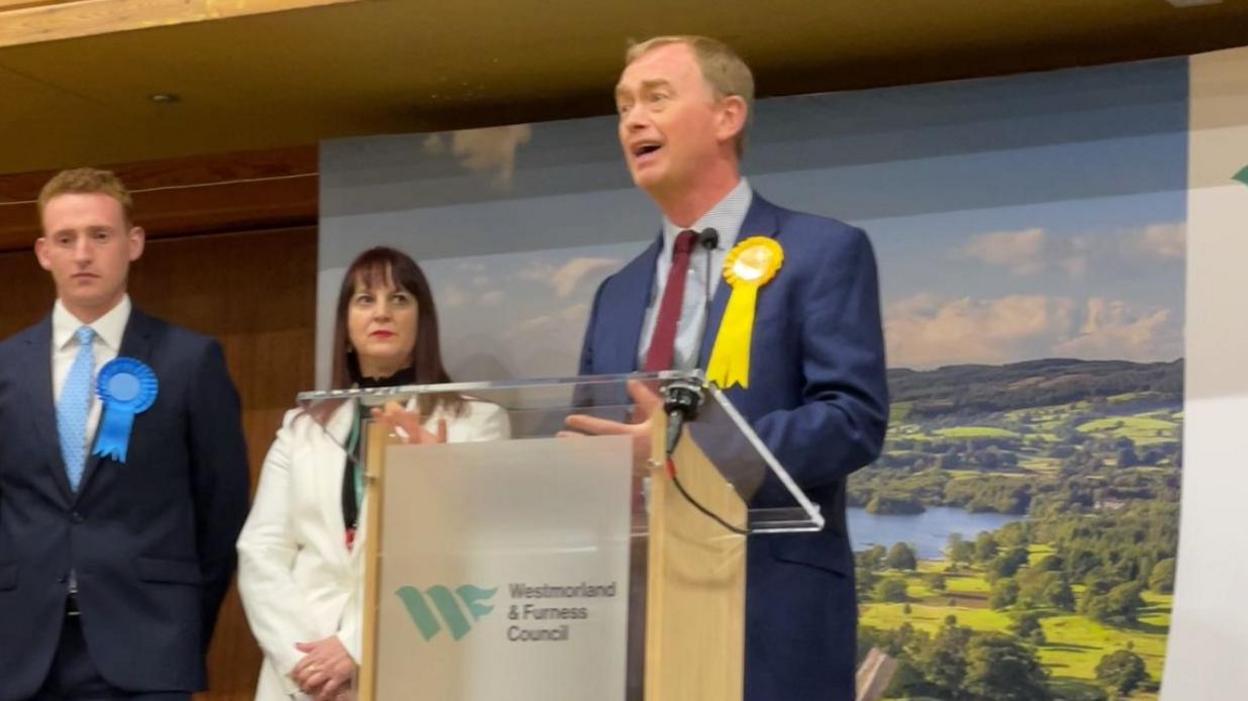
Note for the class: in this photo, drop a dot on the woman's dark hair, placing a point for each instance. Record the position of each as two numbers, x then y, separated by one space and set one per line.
374 268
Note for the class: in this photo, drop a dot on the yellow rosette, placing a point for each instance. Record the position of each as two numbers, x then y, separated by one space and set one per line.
750 264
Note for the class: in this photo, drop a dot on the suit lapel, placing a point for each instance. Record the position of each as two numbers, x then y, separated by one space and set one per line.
38 390
136 343
329 464
361 531
761 220
634 285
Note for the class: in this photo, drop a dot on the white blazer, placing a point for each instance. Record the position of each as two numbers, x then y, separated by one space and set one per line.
298 581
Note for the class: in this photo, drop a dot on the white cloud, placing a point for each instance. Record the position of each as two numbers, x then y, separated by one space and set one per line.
565 279
1072 256
536 270
923 331
434 145
490 151
1113 329
1035 251
450 296
569 321
1020 251
1162 242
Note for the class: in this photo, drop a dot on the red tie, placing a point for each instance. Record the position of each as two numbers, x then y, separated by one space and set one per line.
663 342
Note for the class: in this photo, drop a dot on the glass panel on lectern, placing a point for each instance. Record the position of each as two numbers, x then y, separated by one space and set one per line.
540 409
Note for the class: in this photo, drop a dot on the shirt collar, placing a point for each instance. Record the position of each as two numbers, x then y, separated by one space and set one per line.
108 329
726 217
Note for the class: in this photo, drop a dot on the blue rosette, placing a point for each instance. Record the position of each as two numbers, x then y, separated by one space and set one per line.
128 388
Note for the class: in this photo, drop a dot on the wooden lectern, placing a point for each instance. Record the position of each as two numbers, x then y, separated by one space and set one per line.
553 567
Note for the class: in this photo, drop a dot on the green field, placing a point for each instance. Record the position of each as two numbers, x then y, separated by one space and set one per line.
972 432
1144 430
1074 643
931 618
1045 465
1036 553
1060 443
980 474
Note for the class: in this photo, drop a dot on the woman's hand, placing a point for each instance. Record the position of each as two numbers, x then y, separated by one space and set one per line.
409 425
326 669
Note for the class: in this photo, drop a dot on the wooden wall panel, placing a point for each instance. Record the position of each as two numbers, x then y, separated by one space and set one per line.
256 293
233 192
33 21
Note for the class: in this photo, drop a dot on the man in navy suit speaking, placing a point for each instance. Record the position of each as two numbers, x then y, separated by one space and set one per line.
800 353
123 473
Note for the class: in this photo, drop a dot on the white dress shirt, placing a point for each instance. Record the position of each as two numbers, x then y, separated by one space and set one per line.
107 343
726 217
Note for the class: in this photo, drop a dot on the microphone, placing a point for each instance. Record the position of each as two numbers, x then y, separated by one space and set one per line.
681 399
709 239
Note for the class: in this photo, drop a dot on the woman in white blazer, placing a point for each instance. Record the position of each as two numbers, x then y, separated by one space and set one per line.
300 571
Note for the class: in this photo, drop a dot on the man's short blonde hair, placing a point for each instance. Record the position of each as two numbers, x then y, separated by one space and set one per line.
86 181
722 69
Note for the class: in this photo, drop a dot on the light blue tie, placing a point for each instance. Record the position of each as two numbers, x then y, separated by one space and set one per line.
74 406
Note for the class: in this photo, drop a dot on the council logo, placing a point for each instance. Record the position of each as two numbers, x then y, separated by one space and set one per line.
438 608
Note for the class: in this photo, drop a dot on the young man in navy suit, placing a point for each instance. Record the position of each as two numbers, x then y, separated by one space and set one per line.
123 473
816 390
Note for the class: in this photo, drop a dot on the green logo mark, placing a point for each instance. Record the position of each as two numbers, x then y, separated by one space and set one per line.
474 599
1242 175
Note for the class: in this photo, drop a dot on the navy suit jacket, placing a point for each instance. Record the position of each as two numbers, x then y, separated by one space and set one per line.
151 541
819 401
